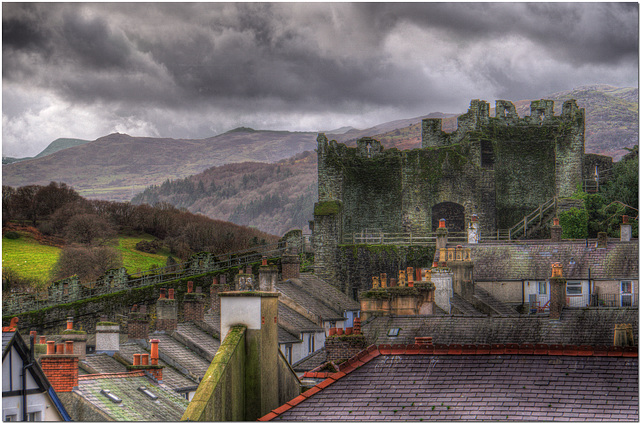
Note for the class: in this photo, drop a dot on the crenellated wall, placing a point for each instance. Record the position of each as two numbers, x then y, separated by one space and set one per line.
500 168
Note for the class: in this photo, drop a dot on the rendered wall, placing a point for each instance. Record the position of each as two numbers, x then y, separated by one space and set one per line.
220 395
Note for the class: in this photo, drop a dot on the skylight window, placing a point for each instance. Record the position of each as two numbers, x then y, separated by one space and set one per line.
107 393
148 393
393 332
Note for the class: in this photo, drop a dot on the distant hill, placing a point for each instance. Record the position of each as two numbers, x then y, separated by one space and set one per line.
61 144
118 166
57 145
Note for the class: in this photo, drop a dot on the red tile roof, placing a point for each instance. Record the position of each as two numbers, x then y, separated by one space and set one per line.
462 382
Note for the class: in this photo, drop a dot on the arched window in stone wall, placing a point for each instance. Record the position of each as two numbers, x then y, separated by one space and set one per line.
453 213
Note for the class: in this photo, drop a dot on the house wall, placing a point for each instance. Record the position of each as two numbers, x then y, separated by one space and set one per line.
35 403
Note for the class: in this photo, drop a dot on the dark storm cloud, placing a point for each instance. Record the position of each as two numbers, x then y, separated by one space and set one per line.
179 67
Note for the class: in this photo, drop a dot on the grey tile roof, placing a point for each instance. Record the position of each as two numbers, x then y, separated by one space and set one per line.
576 326
293 320
170 376
102 363
469 387
135 405
177 355
286 337
6 339
213 320
532 260
311 361
328 294
311 304
195 337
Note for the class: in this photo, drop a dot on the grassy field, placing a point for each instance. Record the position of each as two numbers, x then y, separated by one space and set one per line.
34 261
135 261
28 258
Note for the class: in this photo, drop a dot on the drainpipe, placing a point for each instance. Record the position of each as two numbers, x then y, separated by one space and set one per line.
589 284
522 294
25 367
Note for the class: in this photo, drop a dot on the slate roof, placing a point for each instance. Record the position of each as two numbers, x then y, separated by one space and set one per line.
532 260
411 383
177 355
170 376
585 326
6 340
286 337
326 293
312 361
102 363
293 320
311 304
135 405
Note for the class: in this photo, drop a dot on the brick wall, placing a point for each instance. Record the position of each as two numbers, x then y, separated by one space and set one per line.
193 307
61 370
344 347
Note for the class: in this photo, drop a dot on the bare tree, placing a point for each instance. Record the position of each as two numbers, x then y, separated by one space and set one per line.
88 228
89 263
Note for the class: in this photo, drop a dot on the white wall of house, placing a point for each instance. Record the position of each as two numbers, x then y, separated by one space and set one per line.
39 405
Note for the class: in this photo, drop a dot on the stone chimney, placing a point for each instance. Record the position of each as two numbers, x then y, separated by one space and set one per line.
441 235
153 368
107 338
290 266
193 304
268 275
166 311
79 338
462 268
442 278
602 240
60 366
473 233
341 346
138 323
625 229
556 230
245 281
217 286
258 312
558 291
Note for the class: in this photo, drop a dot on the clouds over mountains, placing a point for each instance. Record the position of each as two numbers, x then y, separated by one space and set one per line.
191 70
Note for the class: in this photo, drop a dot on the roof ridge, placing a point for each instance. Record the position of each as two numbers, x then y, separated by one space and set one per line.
132 373
373 351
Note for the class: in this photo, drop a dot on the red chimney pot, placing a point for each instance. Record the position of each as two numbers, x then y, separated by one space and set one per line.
171 293
51 347
68 347
136 359
163 292
625 219
441 224
144 359
154 351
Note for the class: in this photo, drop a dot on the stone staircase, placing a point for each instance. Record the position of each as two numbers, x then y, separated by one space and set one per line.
538 220
500 308
460 306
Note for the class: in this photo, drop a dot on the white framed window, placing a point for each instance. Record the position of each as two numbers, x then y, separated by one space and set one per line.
542 288
626 287
312 343
393 332
287 353
11 418
574 288
36 416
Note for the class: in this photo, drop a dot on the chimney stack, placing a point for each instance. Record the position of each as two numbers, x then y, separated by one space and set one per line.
602 240
138 323
473 233
268 275
441 235
625 229
107 337
155 355
290 266
167 312
79 338
193 304
556 230
60 366
558 291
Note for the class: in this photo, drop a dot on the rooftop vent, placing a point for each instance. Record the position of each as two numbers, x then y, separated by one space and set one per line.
148 393
107 393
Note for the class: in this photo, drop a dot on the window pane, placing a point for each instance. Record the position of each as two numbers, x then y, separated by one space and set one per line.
574 288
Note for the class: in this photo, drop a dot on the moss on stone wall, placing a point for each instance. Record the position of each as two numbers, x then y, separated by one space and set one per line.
327 208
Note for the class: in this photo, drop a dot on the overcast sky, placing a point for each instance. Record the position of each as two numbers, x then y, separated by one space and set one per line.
196 70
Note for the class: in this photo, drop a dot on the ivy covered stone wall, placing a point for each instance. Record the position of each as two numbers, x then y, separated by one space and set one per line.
356 264
500 168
